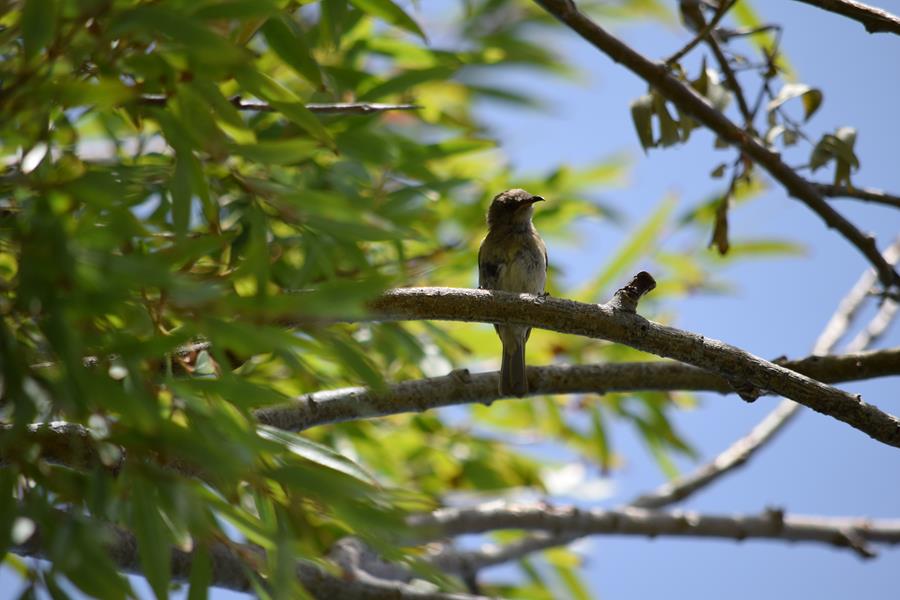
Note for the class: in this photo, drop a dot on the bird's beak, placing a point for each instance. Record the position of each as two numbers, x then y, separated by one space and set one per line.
537 199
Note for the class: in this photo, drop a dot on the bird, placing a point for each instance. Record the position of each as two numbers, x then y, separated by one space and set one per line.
512 258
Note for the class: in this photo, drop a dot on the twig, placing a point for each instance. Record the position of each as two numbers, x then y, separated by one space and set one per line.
683 96
731 80
853 533
604 322
724 7
733 457
875 20
885 315
867 194
352 108
850 305
877 326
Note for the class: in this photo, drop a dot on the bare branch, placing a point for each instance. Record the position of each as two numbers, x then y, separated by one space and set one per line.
852 533
347 108
850 305
230 565
743 449
688 100
733 457
867 194
462 387
877 326
875 20
604 322
75 446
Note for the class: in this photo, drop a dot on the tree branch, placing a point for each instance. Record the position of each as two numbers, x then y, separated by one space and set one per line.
74 445
743 449
867 194
462 387
723 8
873 19
604 322
347 108
733 457
230 565
877 326
682 95
847 532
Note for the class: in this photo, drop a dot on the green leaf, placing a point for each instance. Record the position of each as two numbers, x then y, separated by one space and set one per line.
668 127
38 25
355 231
286 39
197 40
639 244
565 563
720 225
811 97
153 540
837 147
235 9
390 12
181 194
599 439
641 115
402 83
277 152
764 248
201 573
101 94
350 355
317 453
224 109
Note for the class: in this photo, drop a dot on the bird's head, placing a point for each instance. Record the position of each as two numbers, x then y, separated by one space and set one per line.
512 207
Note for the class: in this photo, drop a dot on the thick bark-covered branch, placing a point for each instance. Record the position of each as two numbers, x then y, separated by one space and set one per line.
230 565
461 387
74 446
854 533
875 20
604 322
688 100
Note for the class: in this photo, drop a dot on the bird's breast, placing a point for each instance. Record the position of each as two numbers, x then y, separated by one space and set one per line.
517 263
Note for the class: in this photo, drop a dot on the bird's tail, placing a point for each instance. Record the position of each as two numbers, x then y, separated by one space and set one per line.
512 369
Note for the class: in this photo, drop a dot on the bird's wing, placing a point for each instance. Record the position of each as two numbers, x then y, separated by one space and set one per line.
489 270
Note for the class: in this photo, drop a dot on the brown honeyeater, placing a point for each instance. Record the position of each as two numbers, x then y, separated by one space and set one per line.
512 258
